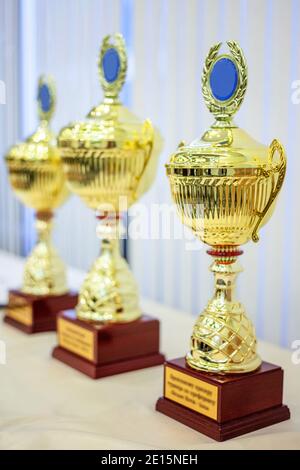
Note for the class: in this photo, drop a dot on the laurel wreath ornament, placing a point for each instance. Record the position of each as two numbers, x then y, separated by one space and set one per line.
48 81
116 41
224 110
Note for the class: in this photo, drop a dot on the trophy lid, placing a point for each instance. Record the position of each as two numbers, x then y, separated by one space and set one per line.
34 166
110 124
41 145
224 145
111 154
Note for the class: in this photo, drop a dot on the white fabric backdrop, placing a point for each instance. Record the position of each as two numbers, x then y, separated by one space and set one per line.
9 122
174 38
168 42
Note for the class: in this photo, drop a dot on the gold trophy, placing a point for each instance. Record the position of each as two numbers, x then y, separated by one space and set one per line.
110 161
224 185
36 175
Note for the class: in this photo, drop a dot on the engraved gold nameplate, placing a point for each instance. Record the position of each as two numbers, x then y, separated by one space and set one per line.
76 339
19 310
192 393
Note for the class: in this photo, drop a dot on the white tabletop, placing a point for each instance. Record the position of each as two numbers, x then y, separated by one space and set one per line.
44 404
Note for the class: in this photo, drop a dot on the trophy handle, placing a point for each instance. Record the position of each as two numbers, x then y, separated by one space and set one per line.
279 168
148 132
147 171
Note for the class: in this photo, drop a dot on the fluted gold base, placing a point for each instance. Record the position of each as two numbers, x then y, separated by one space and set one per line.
44 272
206 366
223 339
109 292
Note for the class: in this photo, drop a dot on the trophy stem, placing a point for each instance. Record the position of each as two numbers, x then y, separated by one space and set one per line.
44 272
110 230
109 292
225 274
44 225
223 339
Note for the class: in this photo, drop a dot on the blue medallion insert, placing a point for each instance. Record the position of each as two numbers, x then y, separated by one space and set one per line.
44 98
111 65
223 79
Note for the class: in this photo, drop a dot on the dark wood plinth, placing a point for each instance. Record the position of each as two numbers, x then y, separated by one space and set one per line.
228 430
35 314
103 350
223 406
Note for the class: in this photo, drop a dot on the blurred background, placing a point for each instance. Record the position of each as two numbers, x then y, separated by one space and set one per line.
167 42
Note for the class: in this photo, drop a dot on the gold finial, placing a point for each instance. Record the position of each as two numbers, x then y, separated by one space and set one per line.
46 98
112 65
224 81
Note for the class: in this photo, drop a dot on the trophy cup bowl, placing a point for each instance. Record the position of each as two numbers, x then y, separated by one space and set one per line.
225 186
37 178
36 175
225 205
101 173
109 160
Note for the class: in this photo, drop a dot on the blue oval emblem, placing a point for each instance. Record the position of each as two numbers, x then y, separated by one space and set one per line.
45 98
223 79
111 65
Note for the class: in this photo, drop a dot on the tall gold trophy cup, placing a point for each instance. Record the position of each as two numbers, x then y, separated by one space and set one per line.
224 185
109 159
37 178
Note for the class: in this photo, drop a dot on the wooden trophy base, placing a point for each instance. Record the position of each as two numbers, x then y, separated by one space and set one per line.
35 314
99 350
223 406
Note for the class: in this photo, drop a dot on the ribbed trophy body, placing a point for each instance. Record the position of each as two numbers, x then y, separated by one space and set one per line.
224 186
110 160
105 175
107 159
225 204
37 178
229 204
38 181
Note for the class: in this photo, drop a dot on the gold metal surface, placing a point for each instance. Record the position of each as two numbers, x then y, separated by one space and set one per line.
36 176
109 157
44 272
224 186
223 338
109 291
